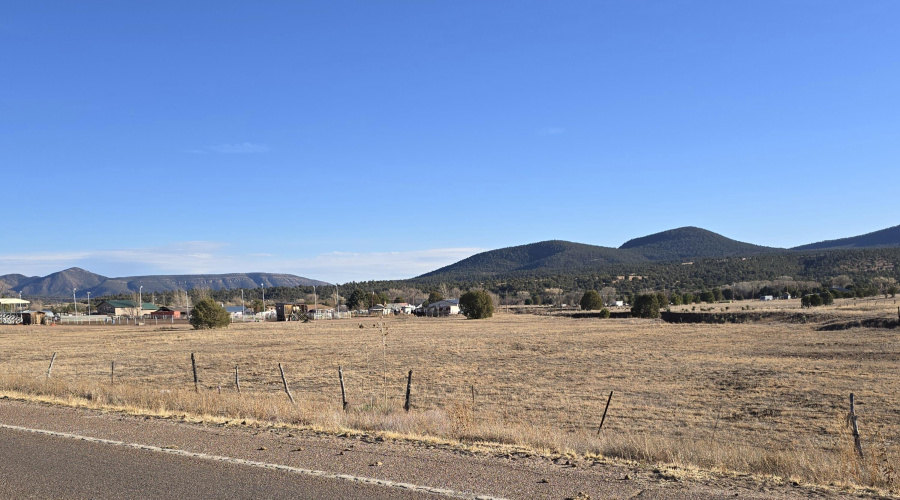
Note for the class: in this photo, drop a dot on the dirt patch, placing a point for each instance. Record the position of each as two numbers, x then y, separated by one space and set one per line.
860 323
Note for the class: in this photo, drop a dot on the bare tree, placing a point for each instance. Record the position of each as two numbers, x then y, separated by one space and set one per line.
841 281
608 294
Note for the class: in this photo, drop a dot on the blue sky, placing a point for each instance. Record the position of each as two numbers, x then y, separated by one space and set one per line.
373 140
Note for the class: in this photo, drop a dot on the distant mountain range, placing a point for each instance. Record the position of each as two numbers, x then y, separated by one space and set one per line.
544 258
682 244
60 284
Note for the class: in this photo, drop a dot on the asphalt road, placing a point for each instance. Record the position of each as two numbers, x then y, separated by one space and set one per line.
49 451
42 466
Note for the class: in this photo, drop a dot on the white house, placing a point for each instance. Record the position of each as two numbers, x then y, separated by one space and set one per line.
442 308
236 312
400 308
380 309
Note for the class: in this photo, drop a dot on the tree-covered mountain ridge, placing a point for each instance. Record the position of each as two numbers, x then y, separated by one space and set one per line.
682 244
889 237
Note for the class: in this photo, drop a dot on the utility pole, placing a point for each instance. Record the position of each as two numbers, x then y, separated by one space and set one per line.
75 301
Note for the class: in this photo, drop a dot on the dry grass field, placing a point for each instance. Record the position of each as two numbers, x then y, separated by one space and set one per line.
763 398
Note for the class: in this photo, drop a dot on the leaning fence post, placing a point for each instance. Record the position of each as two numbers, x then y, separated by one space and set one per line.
603 419
854 427
50 368
284 381
194 369
343 392
237 381
408 390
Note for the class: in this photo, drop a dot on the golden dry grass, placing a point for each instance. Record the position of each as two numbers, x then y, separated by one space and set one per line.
766 398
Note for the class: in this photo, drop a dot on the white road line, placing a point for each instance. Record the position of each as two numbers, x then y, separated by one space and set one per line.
263 465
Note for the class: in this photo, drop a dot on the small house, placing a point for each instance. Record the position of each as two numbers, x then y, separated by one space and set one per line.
380 309
125 308
236 312
401 308
442 308
166 312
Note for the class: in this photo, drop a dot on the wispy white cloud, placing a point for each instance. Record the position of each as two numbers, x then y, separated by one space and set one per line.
200 257
244 147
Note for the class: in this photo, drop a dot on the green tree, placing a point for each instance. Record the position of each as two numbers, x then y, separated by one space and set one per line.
827 298
675 297
257 305
892 290
707 297
717 294
662 299
536 299
377 298
645 306
604 313
357 299
477 304
811 300
435 296
591 300
206 313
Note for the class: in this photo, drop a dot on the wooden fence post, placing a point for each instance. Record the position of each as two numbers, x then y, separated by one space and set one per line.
408 390
50 368
343 392
854 427
284 381
473 402
603 419
112 372
237 380
194 369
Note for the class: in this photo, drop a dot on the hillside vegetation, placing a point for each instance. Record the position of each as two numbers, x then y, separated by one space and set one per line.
691 243
555 254
889 237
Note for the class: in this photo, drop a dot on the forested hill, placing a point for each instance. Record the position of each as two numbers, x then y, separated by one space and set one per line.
685 243
691 243
554 254
889 237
